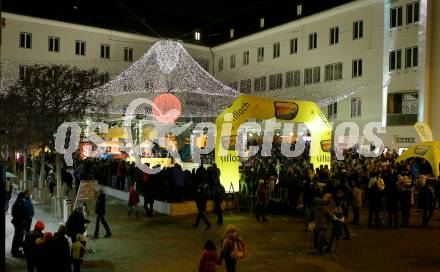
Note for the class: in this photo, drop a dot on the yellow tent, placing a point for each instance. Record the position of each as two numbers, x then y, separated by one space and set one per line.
430 151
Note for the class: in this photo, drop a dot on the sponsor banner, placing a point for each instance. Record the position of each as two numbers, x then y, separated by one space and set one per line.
424 131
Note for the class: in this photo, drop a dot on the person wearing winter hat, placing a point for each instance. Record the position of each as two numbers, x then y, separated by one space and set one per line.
43 248
30 247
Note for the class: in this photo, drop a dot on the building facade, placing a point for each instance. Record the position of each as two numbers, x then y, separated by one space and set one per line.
387 47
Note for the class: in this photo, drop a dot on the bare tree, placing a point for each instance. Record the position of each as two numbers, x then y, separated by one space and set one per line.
51 95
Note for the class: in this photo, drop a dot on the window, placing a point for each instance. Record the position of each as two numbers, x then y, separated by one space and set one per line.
54 44
395 59
234 85
24 73
245 86
276 50
396 17
232 61
332 110
80 48
220 64
293 46
333 71
403 103
357 68
105 51
412 13
262 22
260 56
356 107
128 54
25 40
299 9
334 35
260 84
246 58
197 36
231 33
275 81
293 78
411 57
358 30
313 40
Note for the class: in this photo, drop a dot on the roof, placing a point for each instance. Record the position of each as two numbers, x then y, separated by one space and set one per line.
174 19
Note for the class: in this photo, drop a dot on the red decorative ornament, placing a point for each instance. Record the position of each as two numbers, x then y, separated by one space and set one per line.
168 108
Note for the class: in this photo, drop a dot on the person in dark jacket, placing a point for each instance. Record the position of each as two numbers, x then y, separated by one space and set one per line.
100 212
262 201
201 207
30 248
19 221
29 210
76 223
405 201
392 203
60 251
428 203
43 250
219 193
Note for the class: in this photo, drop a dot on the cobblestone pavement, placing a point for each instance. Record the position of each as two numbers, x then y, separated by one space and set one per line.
170 244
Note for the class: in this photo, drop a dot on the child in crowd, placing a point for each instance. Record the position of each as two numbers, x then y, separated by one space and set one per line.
78 250
133 200
209 259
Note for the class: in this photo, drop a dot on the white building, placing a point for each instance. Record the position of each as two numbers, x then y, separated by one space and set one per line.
387 47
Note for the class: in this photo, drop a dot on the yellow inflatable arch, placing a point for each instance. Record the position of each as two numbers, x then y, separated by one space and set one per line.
247 107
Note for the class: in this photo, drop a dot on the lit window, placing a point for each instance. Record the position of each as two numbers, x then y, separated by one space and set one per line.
262 22
299 9
231 33
197 36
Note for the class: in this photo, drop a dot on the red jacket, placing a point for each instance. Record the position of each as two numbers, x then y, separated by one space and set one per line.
133 197
209 261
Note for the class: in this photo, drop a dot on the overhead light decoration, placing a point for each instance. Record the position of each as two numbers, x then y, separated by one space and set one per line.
167 65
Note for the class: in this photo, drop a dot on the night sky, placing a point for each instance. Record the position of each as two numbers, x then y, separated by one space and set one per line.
173 19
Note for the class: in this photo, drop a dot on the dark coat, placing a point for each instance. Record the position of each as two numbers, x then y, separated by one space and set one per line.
100 205
19 213
60 253
29 245
75 224
201 200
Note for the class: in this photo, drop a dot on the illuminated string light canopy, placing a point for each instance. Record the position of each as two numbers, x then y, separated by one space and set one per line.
168 68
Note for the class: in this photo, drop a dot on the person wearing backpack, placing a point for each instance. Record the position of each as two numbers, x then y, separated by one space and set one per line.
232 248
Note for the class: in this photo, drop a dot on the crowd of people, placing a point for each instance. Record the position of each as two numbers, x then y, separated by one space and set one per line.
326 197
59 251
